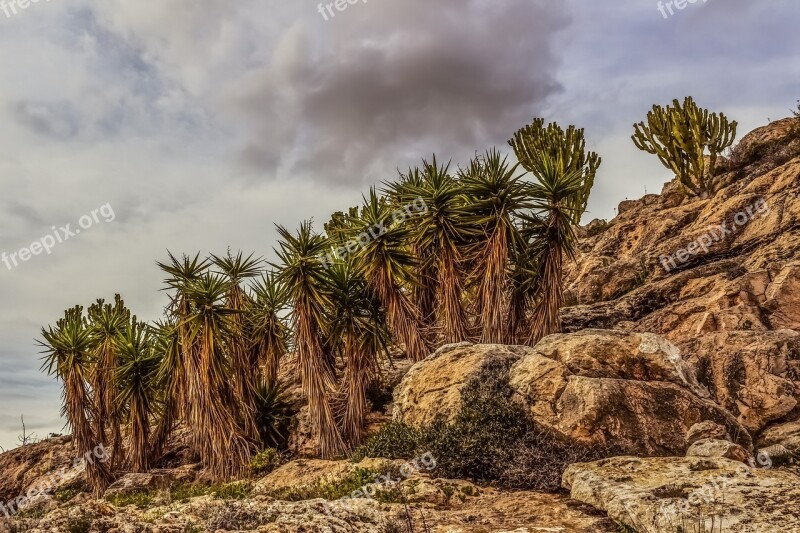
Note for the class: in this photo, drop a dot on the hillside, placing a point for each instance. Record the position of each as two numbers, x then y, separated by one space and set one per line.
671 401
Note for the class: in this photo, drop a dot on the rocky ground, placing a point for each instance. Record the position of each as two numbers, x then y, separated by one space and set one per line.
682 366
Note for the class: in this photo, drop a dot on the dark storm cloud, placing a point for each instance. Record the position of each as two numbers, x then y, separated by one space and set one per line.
398 81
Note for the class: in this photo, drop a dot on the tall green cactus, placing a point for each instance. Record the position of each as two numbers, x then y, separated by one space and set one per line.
537 146
680 135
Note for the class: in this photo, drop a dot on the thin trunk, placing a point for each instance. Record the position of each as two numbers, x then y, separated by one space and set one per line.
545 318
492 298
78 401
401 315
450 289
318 382
357 377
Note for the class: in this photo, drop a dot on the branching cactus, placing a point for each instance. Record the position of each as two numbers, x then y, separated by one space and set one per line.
537 146
680 135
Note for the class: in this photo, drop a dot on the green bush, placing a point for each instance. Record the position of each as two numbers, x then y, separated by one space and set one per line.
491 440
330 489
395 440
265 462
140 498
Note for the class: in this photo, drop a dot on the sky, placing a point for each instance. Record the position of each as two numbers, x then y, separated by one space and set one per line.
180 125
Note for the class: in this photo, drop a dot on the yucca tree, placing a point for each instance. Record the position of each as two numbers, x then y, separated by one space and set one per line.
438 236
172 381
243 360
137 376
107 322
357 331
387 265
564 174
524 281
68 355
180 372
214 415
268 333
304 275
403 193
497 195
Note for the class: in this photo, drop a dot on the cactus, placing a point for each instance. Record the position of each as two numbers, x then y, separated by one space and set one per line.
535 145
680 135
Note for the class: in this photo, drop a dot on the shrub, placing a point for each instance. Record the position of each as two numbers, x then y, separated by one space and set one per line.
140 498
273 416
330 489
491 440
265 462
395 440
233 491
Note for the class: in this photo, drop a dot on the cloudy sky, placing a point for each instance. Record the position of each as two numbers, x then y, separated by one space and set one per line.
201 124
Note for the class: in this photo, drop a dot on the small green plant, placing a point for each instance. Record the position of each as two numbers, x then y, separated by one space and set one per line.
140 498
79 525
680 135
65 494
232 491
331 489
273 415
395 440
183 493
265 462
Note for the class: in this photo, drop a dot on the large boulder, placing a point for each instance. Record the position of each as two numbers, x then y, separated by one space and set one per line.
623 392
785 435
432 388
654 495
748 372
50 463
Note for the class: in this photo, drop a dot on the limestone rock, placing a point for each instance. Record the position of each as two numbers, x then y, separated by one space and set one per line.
718 448
432 388
130 483
706 430
654 495
748 372
624 392
786 435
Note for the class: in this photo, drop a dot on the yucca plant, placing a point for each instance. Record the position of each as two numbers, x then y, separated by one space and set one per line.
273 415
403 193
524 281
268 332
243 360
564 174
304 275
497 196
438 236
387 265
137 376
107 322
68 355
180 372
213 414
357 331
171 382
